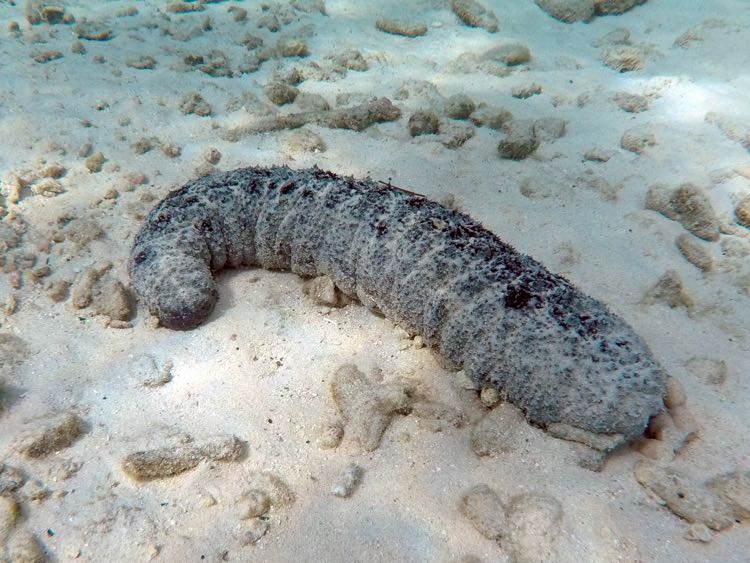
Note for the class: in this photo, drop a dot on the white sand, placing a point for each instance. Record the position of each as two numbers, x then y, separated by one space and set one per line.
259 369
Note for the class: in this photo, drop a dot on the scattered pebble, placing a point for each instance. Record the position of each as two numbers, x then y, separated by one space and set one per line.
675 395
534 521
519 139
742 212
143 62
255 529
51 434
281 93
459 106
707 370
483 508
526 91
695 252
734 489
437 416
632 103
93 31
637 139
397 27
346 483
148 373
46 56
489 396
550 128
23 547
498 432
95 162
323 291
193 103
494 118
168 461
687 204
474 14
684 496
699 532
304 140
11 479
292 48
625 58
330 435
423 122
568 11
10 513
669 291
273 486
511 54
453 135
253 503
212 155
367 408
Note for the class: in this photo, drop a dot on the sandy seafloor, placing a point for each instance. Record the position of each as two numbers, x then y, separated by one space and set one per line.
260 368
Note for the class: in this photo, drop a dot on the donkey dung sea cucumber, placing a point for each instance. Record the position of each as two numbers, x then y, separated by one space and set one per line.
557 354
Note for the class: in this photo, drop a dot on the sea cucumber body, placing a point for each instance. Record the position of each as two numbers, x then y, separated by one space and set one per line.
501 316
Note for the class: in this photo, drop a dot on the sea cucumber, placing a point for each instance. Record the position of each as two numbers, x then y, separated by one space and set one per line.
558 354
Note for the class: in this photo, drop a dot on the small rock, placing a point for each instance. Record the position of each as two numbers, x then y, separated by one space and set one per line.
323 291
511 54
273 486
637 139
688 205
683 496
95 162
168 461
699 532
497 432
519 140
675 396
489 396
473 14
367 408
526 91
147 373
281 93
255 529
423 122
734 488
193 102
483 508
632 103
568 10
625 58
346 483
459 106
331 435
550 128
396 27
51 435
694 252
253 503
669 291
533 526
742 212
23 547
713 372
10 513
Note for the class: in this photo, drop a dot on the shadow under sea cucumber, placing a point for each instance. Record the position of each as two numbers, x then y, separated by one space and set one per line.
556 353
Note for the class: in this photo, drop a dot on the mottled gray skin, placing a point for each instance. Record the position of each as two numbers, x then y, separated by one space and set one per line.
559 355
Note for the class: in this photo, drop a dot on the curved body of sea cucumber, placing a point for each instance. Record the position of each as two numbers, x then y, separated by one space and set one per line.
559 355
